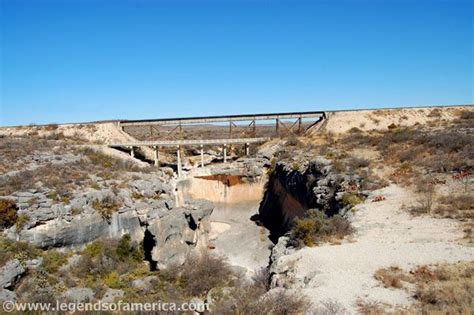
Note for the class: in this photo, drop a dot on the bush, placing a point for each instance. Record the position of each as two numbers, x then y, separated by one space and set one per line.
303 231
316 227
355 163
200 273
53 260
8 213
126 250
351 199
21 221
106 206
12 249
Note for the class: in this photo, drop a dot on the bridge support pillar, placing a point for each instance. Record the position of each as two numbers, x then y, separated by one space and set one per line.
202 156
247 149
132 152
178 154
225 153
157 156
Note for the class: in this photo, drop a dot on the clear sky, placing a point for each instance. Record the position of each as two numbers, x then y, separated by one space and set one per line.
80 60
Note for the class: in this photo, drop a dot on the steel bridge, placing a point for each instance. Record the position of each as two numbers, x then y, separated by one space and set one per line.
246 136
283 124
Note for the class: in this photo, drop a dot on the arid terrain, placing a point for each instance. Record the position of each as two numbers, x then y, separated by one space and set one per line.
368 212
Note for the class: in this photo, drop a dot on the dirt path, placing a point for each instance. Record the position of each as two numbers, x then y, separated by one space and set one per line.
386 236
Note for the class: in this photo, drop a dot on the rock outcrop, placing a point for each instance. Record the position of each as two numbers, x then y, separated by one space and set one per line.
11 273
179 232
290 192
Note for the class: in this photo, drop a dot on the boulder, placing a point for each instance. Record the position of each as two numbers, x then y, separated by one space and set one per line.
112 294
11 273
178 231
145 285
7 295
79 295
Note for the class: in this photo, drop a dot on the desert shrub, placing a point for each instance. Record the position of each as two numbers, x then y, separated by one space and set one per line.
51 127
439 289
435 112
303 231
106 206
105 262
293 141
126 250
8 213
261 278
200 273
281 302
456 206
251 300
21 221
355 163
426 189
351 199
391 277
316 227
459 202
467 115
10 249
53 260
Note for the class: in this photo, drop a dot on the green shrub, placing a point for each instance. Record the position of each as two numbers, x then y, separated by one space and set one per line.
8 213
303 230
351 199
21 221
10 249
125 250
316 226
53 260
93 249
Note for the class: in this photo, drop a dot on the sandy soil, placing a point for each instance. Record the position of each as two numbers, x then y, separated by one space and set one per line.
380 119
386 236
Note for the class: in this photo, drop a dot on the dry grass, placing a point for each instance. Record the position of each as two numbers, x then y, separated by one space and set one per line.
200 273
107 206
443 288
8 213
68 177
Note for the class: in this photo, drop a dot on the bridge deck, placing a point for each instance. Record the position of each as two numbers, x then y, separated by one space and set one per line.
213 119
198 142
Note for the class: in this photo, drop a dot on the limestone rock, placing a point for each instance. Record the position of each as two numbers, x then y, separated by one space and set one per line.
10 273
7 295
112 294
79 295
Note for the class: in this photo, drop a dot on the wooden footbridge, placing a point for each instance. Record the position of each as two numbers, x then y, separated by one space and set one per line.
229 131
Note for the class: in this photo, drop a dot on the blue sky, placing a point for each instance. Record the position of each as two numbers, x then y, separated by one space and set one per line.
66 61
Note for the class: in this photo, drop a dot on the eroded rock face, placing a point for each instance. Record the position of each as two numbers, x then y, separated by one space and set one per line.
10 273
82 229
289 193
179 232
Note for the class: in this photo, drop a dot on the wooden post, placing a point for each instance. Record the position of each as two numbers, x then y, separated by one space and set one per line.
225 153
299 125
202 156
157 156
179 161
276 126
